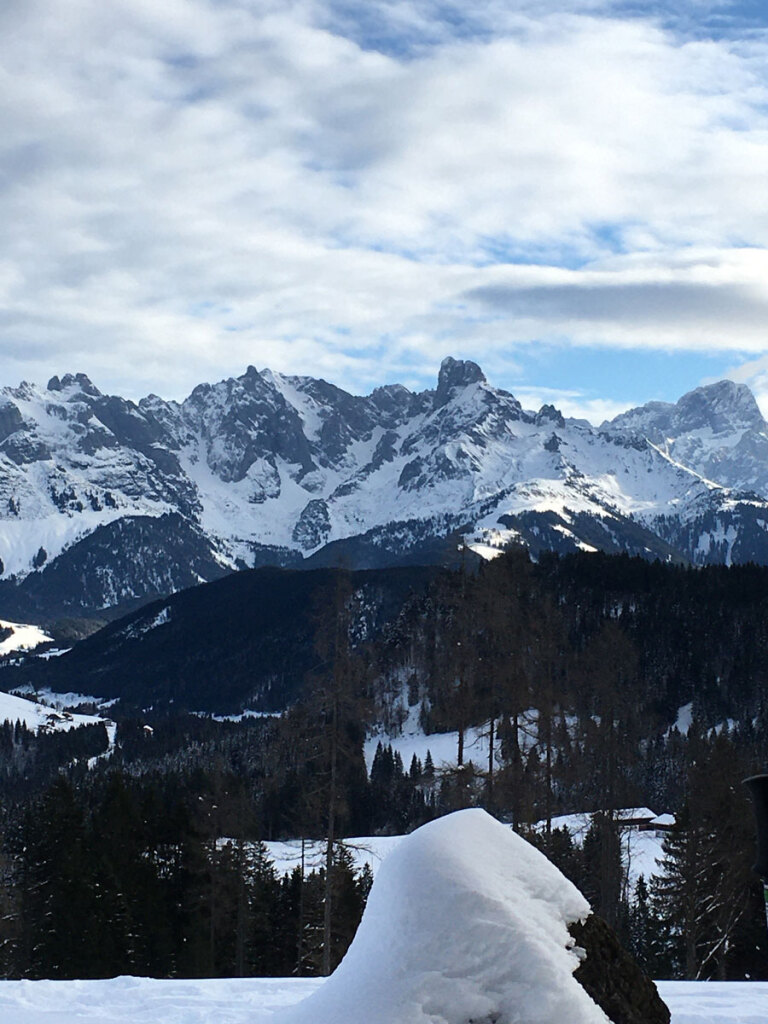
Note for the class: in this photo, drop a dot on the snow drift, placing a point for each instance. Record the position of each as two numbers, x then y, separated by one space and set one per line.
466 923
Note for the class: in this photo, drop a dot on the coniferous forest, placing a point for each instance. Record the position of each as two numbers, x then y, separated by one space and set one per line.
147 856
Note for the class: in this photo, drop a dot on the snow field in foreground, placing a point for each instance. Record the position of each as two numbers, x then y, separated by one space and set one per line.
257 1000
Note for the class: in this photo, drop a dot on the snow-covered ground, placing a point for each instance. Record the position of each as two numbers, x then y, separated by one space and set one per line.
24 637
40 717
259 1000
149 1001
370 850
442 746
716 1002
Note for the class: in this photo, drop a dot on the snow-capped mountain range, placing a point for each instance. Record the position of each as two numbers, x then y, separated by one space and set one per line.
104 501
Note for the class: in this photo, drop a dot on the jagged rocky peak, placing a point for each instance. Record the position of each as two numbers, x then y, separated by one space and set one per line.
245 422
549 414
252 379
269 466
80 381
454 376
11 419
724 406
394 403
167 417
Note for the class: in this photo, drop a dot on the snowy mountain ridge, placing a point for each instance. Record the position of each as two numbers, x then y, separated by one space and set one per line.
111 501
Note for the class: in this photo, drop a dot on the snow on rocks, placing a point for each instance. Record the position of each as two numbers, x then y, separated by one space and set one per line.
465 922
292 464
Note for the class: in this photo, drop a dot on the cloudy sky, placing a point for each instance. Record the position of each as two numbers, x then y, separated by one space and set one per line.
574 193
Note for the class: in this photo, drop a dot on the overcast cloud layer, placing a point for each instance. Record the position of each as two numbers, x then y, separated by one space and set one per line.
356 190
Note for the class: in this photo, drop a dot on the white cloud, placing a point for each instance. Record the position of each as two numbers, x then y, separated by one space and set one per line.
571 403
690 300
193 186
755 374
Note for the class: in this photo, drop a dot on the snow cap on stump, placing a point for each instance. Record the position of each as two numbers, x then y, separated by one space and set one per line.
466 922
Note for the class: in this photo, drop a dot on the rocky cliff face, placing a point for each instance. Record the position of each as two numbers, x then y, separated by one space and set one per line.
266 468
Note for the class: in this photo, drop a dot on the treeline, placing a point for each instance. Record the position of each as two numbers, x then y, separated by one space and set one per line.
701 913
165 875
129 877
30 759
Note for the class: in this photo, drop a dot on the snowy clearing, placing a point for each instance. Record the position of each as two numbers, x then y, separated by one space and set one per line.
241 716
641 850
370 850
40 717
441 745
24 637
62 701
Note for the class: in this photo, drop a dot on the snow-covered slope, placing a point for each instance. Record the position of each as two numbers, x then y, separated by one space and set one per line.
41 718
273 468
17 636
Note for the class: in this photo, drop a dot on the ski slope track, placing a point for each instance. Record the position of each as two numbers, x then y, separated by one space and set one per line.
107 503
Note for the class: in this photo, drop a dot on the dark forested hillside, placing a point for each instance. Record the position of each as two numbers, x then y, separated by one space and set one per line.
697 635
243 641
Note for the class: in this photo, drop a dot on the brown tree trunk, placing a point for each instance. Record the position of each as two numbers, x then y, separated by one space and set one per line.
329 844
491 735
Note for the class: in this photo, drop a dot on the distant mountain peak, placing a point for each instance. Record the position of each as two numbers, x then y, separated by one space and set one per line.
69 380
724 404
454 376
128 500
722 407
